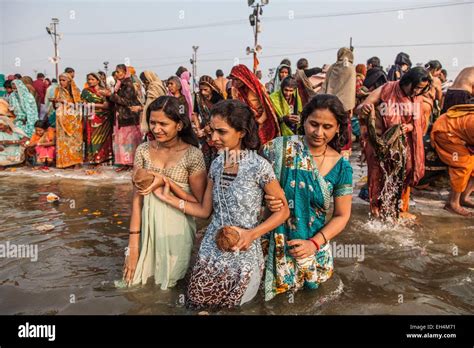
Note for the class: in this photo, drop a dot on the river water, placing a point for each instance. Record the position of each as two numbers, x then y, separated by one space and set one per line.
425 268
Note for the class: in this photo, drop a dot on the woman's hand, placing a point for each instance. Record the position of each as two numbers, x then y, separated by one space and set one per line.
136 108
407 128
301 248
130 264
157 182
368 109
245 240
163 193
273 204
105 93
295 119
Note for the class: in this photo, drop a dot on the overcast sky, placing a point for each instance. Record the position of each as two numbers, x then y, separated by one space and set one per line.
159 35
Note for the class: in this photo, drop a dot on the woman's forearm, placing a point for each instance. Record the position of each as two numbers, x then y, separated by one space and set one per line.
275 220
179 192
335 226
200 210
135 220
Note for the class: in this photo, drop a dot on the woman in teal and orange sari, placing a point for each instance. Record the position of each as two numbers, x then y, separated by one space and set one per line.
312 172
99 122
287 104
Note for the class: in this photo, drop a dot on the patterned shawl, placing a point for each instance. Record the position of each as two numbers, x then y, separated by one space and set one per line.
24 107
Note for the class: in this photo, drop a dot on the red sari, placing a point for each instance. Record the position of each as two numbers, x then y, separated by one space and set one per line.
270 129
397 108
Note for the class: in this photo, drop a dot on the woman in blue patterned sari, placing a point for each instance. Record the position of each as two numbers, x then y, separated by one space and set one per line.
237 181
311 171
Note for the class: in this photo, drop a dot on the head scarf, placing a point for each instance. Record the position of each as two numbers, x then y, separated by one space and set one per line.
71 94
186 91
271 128
156 89
341 79
216 92
361 69
275 87
24 107
100 85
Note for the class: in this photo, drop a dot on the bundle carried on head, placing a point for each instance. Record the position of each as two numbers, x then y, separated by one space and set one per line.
227 238
142 178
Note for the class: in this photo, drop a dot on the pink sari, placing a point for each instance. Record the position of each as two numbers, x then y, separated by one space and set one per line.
186 91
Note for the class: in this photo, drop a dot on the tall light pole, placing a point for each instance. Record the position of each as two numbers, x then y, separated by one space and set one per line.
106 68
193 61
52 31
254 19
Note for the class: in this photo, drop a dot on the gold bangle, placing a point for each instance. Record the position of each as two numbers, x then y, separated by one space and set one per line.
135 232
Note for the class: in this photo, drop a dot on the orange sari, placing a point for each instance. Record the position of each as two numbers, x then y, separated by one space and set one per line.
452 135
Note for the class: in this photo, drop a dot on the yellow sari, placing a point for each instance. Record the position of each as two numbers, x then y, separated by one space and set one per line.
69 125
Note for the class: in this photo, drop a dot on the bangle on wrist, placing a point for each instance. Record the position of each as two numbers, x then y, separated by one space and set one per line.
182 205
325 239
135 232
314 242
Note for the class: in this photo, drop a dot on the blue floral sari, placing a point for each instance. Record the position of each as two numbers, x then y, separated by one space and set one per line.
309 196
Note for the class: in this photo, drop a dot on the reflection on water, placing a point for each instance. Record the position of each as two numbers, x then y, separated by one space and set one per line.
422 269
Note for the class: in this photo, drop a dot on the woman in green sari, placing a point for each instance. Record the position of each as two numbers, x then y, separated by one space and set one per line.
311 171
288 106
99 122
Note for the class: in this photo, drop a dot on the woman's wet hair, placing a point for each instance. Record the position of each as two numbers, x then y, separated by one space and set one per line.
334 105
414 76
171 108
289 82
433 65
240 117
43 124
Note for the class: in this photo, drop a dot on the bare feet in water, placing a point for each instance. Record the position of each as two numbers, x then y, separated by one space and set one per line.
407 216
467 203
458 210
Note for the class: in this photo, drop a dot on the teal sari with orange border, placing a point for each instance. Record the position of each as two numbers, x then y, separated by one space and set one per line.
309 196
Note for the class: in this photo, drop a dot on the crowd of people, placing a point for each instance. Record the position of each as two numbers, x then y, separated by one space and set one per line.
221 150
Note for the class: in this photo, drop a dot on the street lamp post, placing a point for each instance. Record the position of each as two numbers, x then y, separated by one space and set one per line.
254 19
52 31
106 68
193 61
